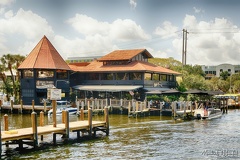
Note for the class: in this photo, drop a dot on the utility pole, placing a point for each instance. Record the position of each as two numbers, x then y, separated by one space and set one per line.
184 47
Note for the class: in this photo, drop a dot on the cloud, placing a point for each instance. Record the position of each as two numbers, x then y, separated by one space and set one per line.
100 37
198 10
119 29
167 30
6 2
210 42
133 3
24 25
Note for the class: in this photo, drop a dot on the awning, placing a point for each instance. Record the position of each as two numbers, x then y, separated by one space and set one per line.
107 88
156 88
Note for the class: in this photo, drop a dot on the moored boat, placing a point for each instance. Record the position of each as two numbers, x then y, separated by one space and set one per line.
207 113
63 105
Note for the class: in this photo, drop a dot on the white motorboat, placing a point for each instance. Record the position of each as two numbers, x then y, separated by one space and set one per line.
207 113
63 105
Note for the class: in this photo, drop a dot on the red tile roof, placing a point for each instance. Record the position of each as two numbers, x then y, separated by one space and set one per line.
124 55
135 66
44 56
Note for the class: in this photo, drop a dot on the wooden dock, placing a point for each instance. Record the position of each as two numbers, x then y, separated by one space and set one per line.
30 136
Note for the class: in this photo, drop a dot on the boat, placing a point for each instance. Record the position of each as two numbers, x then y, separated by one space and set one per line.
61 106
207 113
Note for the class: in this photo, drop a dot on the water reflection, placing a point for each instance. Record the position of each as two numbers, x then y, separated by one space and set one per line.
147 138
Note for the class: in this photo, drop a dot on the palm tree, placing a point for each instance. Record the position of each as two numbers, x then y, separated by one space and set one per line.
10 63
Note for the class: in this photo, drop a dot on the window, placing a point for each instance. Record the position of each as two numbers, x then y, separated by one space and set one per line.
155 77
147 76
107 76
163 77
62 74
93 76
122 76
135 76
27 74
45 74
28 93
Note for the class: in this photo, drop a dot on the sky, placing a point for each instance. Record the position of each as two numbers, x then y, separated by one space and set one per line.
83 28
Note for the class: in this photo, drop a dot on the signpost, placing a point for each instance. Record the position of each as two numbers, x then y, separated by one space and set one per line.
54 94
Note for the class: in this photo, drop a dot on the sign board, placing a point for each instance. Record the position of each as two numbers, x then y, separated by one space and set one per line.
55 94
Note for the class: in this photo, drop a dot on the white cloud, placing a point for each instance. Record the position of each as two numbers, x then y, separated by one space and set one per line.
133 3
99 37
24 25
210 42
198 10
8 14
6 2
167 31
2 10
118 30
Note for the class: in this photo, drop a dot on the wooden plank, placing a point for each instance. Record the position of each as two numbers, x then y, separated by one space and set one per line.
27 133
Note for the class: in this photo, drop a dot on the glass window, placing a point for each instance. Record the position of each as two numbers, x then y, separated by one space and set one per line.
45 74
122 76
62 74
27 74
155 77
147 76
107 76
93 76
163 77
135 76
28 93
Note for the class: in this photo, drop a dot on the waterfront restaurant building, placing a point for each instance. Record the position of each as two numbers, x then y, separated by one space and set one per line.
119 74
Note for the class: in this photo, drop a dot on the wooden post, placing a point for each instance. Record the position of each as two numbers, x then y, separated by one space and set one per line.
54 104
6 125
45 108
106 120
174 108
88 104
66 121
0 140
21 103
90 121
34 129
41 122
11 103
5 122
129 108
82 105
77 106
33 105
63 116
82 114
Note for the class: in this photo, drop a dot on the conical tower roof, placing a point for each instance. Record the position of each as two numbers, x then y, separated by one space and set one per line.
44 56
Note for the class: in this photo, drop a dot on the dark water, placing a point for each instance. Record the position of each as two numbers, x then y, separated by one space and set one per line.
147 138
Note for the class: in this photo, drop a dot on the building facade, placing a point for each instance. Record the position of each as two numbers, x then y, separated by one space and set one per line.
119 74
215 71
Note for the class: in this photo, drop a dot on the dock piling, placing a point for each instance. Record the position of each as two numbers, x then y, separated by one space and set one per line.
106 120
34 129
90 121
33 105
82 114
66 120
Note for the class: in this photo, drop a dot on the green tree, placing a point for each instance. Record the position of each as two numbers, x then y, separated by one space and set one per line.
224 75
10 63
